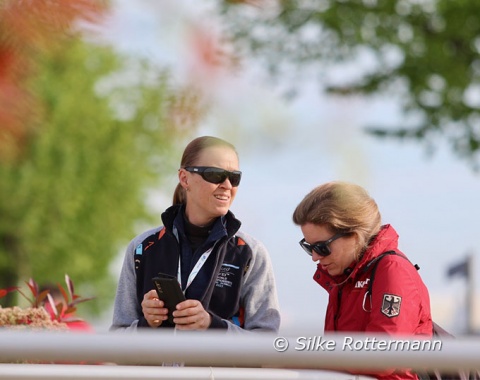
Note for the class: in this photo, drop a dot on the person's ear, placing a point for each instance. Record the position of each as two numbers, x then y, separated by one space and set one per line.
183 178
358 246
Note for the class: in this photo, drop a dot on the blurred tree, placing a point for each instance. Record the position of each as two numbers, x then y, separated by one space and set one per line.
425 53
29 28
102 131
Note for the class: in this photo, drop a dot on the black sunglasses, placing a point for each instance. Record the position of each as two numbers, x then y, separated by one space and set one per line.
320 247
216 175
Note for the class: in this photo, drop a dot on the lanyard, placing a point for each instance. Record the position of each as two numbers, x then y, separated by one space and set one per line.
195 269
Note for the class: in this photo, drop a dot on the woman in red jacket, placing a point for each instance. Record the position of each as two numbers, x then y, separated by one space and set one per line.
342 230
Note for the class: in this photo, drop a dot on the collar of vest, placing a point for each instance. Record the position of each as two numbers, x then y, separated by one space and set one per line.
231 223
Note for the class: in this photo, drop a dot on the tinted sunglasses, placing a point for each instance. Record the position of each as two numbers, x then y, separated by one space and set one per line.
320 247
216 175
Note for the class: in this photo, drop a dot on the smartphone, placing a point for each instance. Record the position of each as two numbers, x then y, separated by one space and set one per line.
169 291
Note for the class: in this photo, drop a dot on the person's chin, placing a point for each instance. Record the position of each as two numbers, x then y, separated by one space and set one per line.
222 210
332 272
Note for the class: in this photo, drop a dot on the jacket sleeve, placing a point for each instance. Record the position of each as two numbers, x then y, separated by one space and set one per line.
127 313
400 303
259 292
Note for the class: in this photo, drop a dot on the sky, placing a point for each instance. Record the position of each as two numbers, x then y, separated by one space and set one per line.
288 148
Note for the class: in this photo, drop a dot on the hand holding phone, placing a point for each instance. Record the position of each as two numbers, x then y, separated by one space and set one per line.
169 291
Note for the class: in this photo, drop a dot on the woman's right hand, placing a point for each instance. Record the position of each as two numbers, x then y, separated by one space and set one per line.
153 309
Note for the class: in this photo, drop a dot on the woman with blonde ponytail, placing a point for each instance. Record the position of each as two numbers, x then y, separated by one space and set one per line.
226 275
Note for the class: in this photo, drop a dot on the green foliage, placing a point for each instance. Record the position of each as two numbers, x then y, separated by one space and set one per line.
104 136
426 53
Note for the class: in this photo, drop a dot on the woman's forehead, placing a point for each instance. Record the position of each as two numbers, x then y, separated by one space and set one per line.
218 156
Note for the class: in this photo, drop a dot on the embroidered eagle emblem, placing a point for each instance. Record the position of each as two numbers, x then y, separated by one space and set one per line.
391 305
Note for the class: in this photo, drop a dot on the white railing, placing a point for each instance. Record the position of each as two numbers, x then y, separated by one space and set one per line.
212 355
89 372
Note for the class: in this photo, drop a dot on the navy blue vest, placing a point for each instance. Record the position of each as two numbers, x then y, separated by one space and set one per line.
224 269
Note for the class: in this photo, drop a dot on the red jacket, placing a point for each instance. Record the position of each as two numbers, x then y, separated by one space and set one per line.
399 304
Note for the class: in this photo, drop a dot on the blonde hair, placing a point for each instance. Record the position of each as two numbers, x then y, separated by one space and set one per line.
342 207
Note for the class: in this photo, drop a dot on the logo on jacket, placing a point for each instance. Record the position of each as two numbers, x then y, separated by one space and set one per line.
361 284
224 278
391 305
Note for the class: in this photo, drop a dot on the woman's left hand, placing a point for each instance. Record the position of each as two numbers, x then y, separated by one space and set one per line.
190 315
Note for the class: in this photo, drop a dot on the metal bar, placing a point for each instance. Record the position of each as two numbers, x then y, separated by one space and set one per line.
89 372
155 347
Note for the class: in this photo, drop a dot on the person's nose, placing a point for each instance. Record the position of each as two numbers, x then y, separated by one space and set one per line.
315 256
226 184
